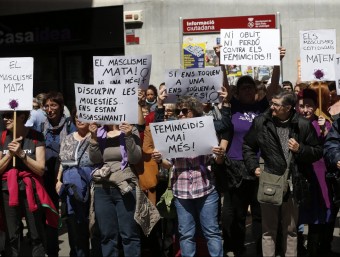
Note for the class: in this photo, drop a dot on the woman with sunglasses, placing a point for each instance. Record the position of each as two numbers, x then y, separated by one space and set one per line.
22 165
194 190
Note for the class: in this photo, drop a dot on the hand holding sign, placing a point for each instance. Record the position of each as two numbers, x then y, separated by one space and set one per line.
162 95
223 95
15 146
126 128
93 130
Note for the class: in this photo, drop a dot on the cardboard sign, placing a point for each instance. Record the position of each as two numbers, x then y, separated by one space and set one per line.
122 70
108 105
16 83
202 84
317 49
184 138
250 46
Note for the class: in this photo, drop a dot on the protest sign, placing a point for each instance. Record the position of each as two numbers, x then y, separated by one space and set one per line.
250 47
122 70
317 49
201 83
16 83
337 72
104 104
184 138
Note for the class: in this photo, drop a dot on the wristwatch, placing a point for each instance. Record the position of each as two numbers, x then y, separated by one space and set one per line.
22 154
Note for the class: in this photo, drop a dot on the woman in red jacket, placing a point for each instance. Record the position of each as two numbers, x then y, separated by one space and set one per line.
22 165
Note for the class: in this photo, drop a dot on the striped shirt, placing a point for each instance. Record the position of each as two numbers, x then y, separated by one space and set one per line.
191 177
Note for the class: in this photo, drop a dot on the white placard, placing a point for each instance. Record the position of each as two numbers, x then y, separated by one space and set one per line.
122 70
16 83
337 72
103 104
252 47
201 83
317 49
184 138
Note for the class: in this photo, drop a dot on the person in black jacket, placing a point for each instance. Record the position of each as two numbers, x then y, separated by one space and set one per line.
274 133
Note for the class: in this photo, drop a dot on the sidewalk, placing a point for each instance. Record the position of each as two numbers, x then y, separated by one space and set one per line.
64 246
250 244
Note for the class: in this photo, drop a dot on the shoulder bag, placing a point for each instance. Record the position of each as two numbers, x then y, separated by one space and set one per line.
272 188
166 205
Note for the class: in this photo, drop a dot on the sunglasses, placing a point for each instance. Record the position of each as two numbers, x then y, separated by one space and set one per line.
184 111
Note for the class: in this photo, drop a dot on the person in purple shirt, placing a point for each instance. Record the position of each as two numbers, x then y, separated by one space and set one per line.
319 212
244 108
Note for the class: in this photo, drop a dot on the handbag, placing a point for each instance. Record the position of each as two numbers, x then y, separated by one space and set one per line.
333 181
166 206
272 188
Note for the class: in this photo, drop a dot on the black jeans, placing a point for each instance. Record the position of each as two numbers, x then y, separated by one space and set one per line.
234 214
78 236
13 217
52 165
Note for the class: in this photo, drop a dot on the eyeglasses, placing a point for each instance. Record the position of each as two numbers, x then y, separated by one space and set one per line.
169 110
276 105
8 116
35 107
52 107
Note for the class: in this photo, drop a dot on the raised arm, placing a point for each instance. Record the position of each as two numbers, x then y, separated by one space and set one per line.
274 86
224 72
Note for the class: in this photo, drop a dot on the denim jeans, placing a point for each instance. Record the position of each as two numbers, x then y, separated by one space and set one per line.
204 209
115 217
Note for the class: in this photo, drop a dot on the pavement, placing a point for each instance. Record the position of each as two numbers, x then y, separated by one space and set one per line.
65 249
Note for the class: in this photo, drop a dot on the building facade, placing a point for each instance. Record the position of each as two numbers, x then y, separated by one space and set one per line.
62 36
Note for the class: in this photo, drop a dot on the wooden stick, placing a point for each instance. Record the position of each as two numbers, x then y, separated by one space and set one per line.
320 100
14 132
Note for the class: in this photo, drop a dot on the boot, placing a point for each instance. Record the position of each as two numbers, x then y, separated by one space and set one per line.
301 249
313 244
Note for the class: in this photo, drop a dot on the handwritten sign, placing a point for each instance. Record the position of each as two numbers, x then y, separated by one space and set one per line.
337 72
103 104
184 138
317 49
16 83
201 83
122 70
250 47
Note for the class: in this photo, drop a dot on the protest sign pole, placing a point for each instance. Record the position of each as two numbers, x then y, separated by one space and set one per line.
14 132
320 100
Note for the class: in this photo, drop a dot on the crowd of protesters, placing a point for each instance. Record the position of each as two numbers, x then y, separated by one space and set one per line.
108 179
